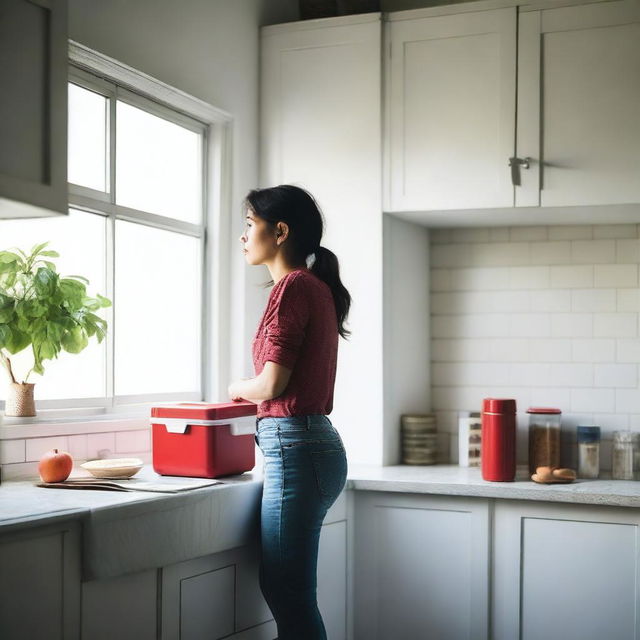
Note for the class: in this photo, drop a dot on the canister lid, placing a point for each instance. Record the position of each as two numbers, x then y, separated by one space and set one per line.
546 410
498 405
588 433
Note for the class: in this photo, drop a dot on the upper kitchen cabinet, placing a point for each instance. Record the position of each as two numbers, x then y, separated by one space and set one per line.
450 109
320 114
579 105
33 108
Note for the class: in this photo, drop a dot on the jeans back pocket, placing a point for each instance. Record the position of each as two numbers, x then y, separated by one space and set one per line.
330 467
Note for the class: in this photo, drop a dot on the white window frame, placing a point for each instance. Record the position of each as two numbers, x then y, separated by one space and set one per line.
114 79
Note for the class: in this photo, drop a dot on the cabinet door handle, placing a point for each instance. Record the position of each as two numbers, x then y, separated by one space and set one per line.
516 164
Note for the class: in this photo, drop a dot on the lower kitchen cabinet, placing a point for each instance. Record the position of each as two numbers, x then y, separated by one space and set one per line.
565 571
40 583
421 567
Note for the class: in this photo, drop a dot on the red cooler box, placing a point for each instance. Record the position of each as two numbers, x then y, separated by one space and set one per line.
203 440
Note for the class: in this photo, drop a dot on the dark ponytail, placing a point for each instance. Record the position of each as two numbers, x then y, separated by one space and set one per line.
298 208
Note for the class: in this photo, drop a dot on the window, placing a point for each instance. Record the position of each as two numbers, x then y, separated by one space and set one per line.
136 229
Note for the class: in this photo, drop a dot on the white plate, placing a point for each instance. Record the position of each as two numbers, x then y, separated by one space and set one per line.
113 467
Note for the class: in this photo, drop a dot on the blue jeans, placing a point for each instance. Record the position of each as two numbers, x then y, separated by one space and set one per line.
305 470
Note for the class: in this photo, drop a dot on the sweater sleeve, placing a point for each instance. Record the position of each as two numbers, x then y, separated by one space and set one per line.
286 325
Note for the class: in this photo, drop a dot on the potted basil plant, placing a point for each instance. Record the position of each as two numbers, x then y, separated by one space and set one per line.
41 309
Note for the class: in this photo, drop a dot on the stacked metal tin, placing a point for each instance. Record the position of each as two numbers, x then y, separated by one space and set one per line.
419 439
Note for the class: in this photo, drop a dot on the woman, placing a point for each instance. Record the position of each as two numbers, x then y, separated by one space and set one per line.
294 355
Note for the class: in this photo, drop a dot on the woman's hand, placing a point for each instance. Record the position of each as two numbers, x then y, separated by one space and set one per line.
233 391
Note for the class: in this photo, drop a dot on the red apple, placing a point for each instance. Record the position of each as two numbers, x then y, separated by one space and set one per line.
55 466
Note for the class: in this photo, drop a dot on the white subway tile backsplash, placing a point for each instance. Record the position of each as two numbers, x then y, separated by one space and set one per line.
440 280
528 374
127 441
593 251
572 325
616 375
570 232
593 300
546 315
593 400
12 451
528 325
628 300
78 446
99 444
464 234
614 231
627 401
551 300
571 375
526 234
571 277
615 325
553 252
37 447
615 275
628 351
508 350
499 234
549 350
595 350
481 278
628 251
440 236
528 277
460 350
500 254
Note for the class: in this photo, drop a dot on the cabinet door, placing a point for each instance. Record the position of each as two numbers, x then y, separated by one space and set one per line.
33 108
565 571
40 583
320 130
451 111
578 104
421 567
332 579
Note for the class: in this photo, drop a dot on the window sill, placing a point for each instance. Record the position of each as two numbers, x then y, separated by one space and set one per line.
58 423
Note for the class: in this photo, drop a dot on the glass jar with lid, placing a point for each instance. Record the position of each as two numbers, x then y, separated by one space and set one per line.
544 437
625 446
588 451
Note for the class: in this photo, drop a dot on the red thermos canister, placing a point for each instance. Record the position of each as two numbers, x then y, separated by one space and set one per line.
498 457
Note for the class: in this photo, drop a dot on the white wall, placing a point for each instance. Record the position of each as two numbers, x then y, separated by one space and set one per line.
545 315
210 49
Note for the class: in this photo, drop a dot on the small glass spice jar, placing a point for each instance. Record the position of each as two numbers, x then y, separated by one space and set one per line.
544 437
588 451
624 447
419 439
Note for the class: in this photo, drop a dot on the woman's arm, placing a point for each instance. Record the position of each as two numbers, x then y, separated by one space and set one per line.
271 382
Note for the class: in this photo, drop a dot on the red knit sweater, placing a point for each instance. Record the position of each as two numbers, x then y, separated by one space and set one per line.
299 330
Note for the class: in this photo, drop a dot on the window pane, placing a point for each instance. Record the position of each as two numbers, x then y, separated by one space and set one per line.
71 375
88 138
158 311
158 165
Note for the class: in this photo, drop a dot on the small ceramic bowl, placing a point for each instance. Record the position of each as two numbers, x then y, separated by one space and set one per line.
113 467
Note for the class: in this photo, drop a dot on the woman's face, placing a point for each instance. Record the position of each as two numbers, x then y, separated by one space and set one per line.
259 240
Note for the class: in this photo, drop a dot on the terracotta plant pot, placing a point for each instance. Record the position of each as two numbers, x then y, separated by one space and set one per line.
20 402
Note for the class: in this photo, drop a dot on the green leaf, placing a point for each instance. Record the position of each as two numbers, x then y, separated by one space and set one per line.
5 334
78 278
51 254
17 341
37 247
50 265
7 257
75 341
45 281
104 302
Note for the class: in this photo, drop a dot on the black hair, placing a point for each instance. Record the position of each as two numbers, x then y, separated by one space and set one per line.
298 208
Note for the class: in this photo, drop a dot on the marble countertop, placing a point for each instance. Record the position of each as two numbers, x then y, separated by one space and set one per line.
22 502
453 480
